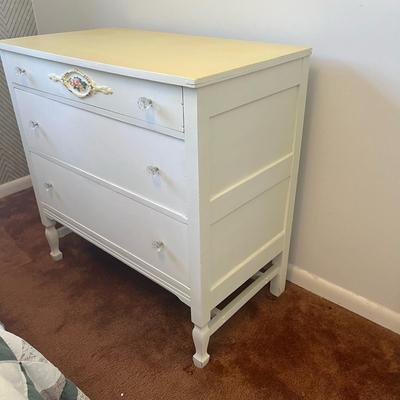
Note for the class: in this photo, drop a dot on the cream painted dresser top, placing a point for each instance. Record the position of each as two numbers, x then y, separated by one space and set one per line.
176 154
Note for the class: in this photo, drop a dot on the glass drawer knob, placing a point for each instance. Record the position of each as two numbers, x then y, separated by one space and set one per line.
158 245
144 103
20 71
48 186
34 124
153 170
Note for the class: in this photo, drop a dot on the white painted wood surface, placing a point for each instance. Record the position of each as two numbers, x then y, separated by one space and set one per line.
185 60
375 312
15 186
124 222
53 239
199 205
233 128
108 153
166 109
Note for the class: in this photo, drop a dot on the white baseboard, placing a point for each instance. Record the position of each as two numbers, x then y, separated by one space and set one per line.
345 298
15 186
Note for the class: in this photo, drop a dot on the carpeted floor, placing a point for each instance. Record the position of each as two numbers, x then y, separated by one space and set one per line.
113 331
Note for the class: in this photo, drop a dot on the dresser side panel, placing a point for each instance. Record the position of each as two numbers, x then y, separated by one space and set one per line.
253 130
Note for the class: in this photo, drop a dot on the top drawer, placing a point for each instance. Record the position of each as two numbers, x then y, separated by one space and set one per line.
153 103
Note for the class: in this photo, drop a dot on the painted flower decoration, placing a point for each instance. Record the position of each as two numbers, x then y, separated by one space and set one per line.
78 83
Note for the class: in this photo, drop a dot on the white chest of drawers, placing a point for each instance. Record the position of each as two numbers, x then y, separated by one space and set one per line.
176 154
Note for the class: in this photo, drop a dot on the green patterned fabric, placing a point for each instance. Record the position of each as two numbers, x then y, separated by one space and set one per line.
32 393
26 375
70 391
5 352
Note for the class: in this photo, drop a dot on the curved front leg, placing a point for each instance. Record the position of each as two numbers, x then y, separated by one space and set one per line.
53 239
201 337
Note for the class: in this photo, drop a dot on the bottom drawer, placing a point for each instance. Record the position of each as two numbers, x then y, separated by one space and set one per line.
155 240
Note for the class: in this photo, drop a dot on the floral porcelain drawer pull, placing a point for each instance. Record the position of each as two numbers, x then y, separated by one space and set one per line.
80 84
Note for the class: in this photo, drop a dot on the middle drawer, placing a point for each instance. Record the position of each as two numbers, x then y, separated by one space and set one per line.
147 165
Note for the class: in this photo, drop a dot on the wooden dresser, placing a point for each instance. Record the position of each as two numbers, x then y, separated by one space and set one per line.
176 154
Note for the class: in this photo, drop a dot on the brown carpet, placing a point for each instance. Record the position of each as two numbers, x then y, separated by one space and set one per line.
113 331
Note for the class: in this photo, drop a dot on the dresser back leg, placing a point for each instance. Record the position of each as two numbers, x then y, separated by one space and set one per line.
201 337
53 239
277 285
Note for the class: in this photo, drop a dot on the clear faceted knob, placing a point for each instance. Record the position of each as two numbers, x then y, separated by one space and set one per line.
34 124
144 103
48 186
158 245
153 170
20 71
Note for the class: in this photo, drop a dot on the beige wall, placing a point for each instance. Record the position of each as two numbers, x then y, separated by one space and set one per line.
347 221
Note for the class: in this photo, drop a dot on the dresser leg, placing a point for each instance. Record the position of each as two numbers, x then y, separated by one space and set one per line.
201 337
277 285
52 237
